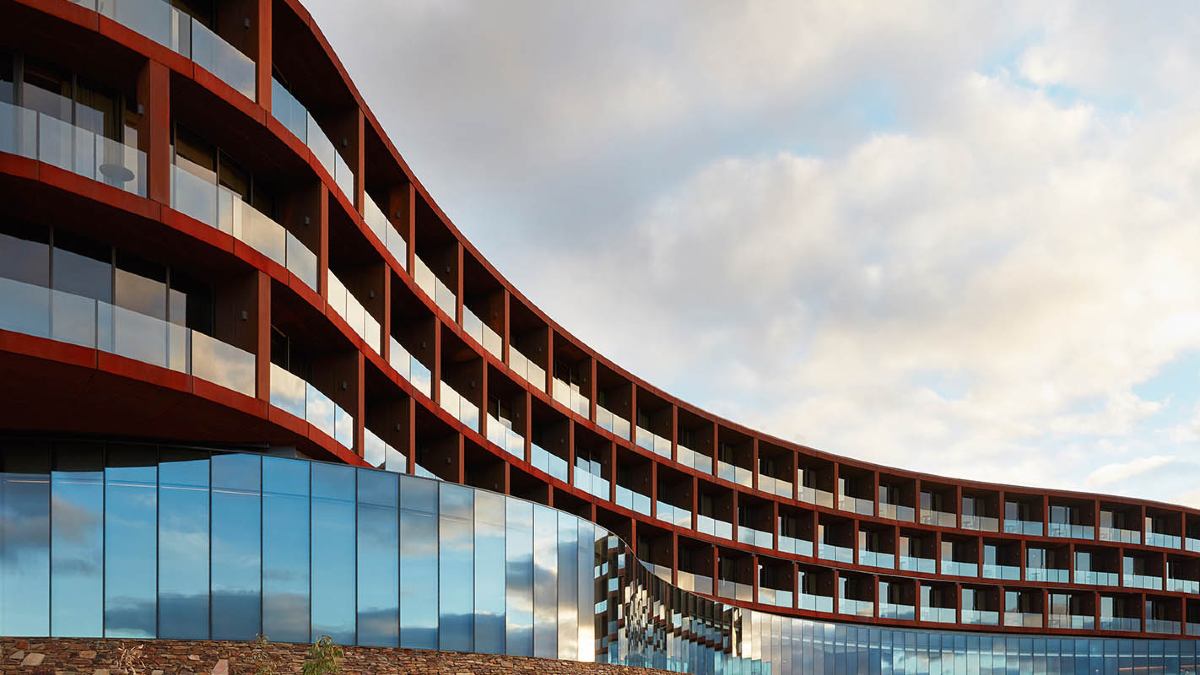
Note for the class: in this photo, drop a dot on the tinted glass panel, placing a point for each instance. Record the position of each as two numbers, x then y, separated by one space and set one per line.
183 547
545 581
82 267
333 593
24 540
285 549
519 577
456 568
25 256
489 573
130 508
568 586
236 543
378 559
77 547
418 564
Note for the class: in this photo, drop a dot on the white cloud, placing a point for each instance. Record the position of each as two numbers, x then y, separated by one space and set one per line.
1114 473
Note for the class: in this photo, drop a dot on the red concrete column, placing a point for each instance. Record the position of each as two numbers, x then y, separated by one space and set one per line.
323 253
360 162
458 295
385 345
265 52
360 399
154 95
262 335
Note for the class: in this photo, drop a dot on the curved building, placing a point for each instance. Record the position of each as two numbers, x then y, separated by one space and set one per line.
253 381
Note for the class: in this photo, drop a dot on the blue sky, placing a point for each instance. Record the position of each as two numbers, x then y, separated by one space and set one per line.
958 237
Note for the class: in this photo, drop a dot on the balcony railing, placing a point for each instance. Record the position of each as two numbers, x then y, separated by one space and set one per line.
914 564
531 372
433 286
293 115
1120 535
980 617
1071 621
648 440
939 518
815 603
590 481
48 139
349 308
1023 619
816 496
775 486
383 228
217 206
714 526
292 394
794 545
980 523
1164 540
606 419
1128 624
854 607
461 408
876 559
1146 581
1006 572
735 590
843 554
897 512
381 455
734 473
482 333
1191 544
939 614
633 500
1048 575
675 515
889 610
775 596
552 464
959 569
754 537
65 317
503 436
1026 527
1071 531
696 583
570 396
181 33
1165 626
1183 585
411 369
1095 578
859 505
690 458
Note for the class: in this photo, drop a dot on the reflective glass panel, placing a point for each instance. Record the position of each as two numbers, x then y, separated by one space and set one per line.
333 587
456 568
285 549
183 546
24 540
378 559
568 586
418 563
519 577
130 507
236 547
545 581
77 546
489 573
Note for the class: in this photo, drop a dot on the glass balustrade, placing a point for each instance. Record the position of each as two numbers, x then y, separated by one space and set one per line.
532 372
1191 544
570 396
696 583
39 136
856 607
422 472
648 440
1193 628
1071 621
1048 575
981 523
714 527
459 406
980 617
587 478
775 596
938 518
606 419
957 568
815 603
381 455
1070 531
432 285
349 308
775 486
735 474
219 207
1145 581
675 515
843 554
797 546
1121 623
1183 585
1023 619
889 610
816 496
690 458
735 590
876 559
220 58
897 512
503 436
755 537
292 394
633 500
939 614
384 230
552 464
859 505
1163 540
411 368
1006 572
1026 527
65 317
296 118
1120 535
1094 578
1162 626
914 564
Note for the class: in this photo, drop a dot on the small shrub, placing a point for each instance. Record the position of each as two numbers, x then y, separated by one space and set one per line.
260 659
324 657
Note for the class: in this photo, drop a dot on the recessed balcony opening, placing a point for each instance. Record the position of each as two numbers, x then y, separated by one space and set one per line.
835 538
1001 559
1192 616
856 594
614 401
674 503
1023 607
76 116
1071 611
460 392
735 575
1164 616
619 524
272 209
572 385
1071 518
483 306
386 197
776 469
694 447
1048 563
593 463
1191 534
411 341
483 469
1183 574
569 502
815 588
1023 514
939 603
385 428
796 530
960 556
776 583
1120 612
856 490
435 261
715 515
814 480
695 560
356 281
877 545
897 599
897 498
528 344
655 551
1121 523
735 456
550 441
980 510
1097 566
534 488
980 606
1140 569
918 551
1163 528
755 519
937 504
633 486
654 423
437 452
506 414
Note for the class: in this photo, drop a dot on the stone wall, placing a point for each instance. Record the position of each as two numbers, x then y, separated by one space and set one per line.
42 656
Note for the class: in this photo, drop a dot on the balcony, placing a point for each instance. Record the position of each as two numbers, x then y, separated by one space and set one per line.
1163 626
65 317
957 568
1183 586
843 554
1005 572
1192 545
735 590
815 603
753 537
1095 578
482 333
816 496
381 454
437 290
981 523
648 440
635 501
411 369
876 559
1072 621
385 231
349 308
1048 575
980 617
1023 619
459 407
556 467
734 473
1071 531
39 136
690 458
531 372
570 396
854 607
939 518
294 395
714 527
914 564
859 505
1025 527
1144 581
696 583
1163 540
611 422
1120 535
296 118
796 546
588 478
1127 624
939 614
889 610
774 596
897 512
675 515
775 486
217 206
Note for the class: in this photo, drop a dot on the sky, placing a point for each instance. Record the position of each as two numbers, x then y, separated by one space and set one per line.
958 237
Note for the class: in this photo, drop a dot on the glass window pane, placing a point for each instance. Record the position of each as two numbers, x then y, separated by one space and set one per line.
378 559
183 545
418 563
130 509
519 577
77 546
333 584
285 549
568 586
141 287
236 547
82 267
456 568
588 533
25 256
489 573
25 540
545 581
